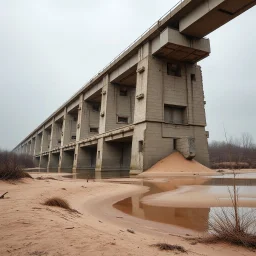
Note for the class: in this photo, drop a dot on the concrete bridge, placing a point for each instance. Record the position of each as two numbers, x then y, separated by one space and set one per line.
146 103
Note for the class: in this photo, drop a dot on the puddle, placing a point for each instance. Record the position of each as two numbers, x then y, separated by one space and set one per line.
188 202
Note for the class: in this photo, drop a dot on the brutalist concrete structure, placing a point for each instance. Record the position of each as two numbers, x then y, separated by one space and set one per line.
147 103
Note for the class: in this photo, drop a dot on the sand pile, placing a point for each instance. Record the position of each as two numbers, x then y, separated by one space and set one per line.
176 163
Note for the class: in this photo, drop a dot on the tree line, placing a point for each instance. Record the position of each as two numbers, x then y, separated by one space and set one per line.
237 153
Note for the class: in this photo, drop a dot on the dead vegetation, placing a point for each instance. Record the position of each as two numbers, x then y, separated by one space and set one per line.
241 153
58 202
169 247
11 165
61 203
233 225
2 196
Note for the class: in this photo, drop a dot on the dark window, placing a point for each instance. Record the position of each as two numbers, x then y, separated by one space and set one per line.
123 120
96 107
123 92
174 114
174 69
174 144
59 141
140 145
73 137
94 129
193 77
75 119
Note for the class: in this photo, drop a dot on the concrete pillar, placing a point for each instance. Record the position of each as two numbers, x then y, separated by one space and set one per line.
66 128
32 151
52 159
81 131
38 142
64 159
108 111
45 141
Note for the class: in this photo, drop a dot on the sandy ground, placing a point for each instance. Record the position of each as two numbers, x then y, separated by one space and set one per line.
30 228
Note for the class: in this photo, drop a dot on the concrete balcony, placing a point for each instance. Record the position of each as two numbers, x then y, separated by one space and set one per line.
174 46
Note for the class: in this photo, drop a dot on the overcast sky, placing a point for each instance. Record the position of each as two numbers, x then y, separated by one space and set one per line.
50 48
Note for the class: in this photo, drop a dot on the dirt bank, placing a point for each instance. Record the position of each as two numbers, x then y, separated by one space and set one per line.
29 228
176 164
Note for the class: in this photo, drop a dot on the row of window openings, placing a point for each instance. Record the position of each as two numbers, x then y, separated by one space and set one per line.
172 114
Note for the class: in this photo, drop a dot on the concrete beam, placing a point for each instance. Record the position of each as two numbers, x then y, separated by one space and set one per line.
212 14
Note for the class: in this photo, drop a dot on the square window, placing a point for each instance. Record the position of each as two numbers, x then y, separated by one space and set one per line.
174 69
73 137
174 114
141 145
94 129
96 107
123 92
193 77
122 120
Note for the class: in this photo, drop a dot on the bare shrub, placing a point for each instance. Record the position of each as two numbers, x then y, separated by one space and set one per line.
232 226
57 202
11 165
169 247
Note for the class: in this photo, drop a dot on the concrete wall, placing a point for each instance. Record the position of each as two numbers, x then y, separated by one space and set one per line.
151 137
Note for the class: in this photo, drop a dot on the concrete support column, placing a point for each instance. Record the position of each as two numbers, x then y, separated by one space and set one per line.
53 140
33 146
66 129
64 159
80 132
38 142
108 111
138 145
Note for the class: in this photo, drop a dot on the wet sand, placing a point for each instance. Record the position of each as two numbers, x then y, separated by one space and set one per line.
29 228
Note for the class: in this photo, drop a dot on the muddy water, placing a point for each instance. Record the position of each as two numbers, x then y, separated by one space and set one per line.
194 217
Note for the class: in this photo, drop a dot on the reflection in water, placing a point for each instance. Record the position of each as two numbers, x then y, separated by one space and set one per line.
87 174
191 218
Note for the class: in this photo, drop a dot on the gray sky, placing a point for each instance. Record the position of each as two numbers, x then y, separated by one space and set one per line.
50 48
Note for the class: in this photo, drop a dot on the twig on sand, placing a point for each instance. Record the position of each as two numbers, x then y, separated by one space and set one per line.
170 247
2 196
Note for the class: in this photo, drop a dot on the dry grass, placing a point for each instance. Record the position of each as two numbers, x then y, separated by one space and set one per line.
11 165
233 226
58 202
224 226
169 247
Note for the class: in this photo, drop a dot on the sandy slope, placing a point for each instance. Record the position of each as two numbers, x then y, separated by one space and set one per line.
29 228
176 163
